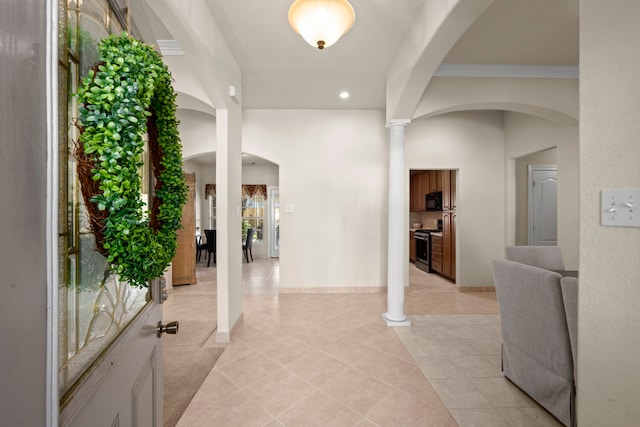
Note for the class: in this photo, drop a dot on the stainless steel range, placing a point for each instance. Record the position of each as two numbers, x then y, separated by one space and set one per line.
423 248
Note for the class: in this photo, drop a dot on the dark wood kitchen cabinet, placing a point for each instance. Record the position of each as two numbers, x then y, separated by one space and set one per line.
414 193
452 189
433 180
449 224
449 245
436 252
412 248
443 248
449 190
419 187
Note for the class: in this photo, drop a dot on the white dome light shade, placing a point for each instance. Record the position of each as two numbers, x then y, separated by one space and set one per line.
321 22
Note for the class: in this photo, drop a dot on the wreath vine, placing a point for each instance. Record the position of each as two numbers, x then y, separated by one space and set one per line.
127 94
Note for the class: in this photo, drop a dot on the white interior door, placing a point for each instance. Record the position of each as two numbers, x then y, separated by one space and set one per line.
124 387
543 205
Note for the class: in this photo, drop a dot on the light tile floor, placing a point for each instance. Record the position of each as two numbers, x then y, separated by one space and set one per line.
330 360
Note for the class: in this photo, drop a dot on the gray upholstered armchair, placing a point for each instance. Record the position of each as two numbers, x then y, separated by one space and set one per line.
548 257
570 299
536 349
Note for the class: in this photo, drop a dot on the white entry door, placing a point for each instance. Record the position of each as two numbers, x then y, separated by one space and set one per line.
543 205
124 387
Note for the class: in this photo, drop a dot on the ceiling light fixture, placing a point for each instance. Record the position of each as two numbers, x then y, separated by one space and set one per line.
321 22
344 95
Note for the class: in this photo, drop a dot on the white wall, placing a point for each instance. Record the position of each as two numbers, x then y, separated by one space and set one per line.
190 89
526 134
473 143
333 168
197 132
609 296
267 175
198 136
333 174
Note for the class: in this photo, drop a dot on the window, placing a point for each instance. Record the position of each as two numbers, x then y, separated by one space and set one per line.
212 212
253 215
253 208
93 306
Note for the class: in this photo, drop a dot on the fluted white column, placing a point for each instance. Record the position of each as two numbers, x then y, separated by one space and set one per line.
397 231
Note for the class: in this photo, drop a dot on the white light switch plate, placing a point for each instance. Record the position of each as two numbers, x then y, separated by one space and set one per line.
289 209
621 208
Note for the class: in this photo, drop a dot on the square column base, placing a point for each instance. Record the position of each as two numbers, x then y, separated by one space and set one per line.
390 322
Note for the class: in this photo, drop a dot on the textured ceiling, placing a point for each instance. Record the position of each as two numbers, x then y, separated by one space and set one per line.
280 70
540 32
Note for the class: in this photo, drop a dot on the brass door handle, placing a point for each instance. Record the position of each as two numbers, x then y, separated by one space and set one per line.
169 328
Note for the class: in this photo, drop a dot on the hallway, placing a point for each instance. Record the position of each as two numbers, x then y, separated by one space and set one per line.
329 359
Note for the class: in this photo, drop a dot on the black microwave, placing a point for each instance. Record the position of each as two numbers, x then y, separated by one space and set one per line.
433 201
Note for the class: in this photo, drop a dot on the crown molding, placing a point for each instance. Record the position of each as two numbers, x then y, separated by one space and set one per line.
519 71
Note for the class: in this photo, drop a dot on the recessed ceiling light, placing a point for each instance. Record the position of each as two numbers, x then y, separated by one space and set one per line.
344 95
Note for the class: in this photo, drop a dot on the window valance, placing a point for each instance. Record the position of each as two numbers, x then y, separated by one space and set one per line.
254 190
248 190
209 190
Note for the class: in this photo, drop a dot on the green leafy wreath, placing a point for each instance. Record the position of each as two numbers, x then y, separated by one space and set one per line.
127 95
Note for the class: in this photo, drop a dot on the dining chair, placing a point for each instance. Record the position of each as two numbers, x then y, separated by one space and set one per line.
247 244
200 247
211 245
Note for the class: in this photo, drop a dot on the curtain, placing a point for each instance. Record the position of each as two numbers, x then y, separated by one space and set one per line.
209 190
247 190
254 190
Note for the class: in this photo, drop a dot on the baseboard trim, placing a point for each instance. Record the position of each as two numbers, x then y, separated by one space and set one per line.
225 337
335 290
